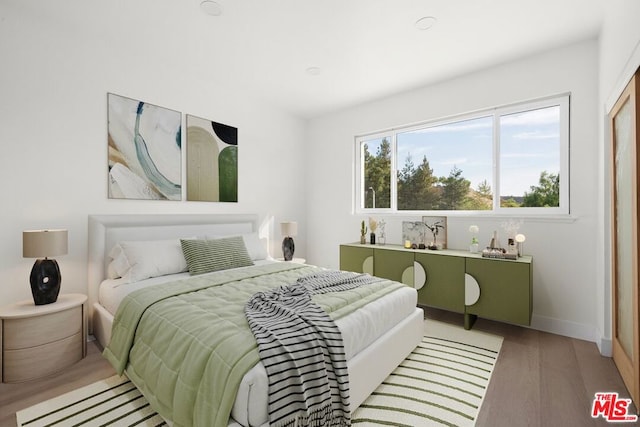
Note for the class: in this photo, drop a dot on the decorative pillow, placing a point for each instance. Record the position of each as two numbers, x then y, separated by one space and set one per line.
204 256
256 247
149 258
119 266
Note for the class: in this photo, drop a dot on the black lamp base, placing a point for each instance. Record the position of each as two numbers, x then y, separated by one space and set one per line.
45 281
288 248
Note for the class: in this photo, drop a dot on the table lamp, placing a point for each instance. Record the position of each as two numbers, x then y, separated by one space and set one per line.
520 238
288 229
45 275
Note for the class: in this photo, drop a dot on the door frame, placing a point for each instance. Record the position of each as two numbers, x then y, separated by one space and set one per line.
629 367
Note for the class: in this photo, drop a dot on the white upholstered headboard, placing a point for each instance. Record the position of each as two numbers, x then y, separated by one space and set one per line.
107 230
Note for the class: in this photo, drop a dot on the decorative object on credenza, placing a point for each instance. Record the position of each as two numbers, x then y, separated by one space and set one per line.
495 249
212 161
437 225
288 229
511 227
45 275
363 233
382 236
413 232
520 238
145 156
373 226
474 230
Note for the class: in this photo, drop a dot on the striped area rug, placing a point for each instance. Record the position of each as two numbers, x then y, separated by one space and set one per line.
442 382
114 401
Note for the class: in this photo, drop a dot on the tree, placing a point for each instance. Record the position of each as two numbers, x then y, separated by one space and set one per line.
454 190
546 194
377 172
406 184
509 202
416 186
485 189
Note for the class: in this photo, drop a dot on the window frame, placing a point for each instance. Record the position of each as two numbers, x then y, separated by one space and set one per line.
561 100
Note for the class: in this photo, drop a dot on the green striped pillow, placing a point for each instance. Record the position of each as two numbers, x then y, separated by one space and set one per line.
204 256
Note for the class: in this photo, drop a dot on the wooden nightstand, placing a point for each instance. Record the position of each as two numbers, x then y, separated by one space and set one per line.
39 340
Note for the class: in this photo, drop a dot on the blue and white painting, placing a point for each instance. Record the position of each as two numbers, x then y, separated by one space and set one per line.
144 150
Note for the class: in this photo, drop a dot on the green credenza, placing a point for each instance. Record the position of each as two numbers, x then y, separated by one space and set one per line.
452 280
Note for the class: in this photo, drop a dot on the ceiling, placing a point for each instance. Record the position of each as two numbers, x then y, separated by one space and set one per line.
362 49
368 49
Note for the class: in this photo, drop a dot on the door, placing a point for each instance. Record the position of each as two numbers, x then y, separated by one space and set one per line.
623 120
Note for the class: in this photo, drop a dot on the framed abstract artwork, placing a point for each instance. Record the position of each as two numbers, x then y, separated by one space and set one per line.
436 232
212 161
145 154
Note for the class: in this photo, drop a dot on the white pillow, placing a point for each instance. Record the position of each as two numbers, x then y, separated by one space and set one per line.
143 259
119 266
256 247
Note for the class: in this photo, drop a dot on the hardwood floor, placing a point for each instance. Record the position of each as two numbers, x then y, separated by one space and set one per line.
540 379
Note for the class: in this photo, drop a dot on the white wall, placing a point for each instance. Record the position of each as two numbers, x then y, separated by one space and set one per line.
619 51
564 251
59 60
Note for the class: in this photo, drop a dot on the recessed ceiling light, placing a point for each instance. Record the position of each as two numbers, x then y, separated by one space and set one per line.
313 71
425 22
211 8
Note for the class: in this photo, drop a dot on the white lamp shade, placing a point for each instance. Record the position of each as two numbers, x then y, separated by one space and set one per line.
44 243
520 238
289 228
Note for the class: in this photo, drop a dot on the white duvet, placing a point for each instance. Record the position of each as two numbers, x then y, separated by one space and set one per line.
359 330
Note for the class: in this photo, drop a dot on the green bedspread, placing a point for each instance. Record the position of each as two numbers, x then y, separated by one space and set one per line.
187 344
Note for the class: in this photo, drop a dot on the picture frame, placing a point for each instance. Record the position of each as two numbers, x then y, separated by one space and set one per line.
436 232
212 161
144 150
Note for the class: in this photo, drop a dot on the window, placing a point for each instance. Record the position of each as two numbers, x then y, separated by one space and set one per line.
499 160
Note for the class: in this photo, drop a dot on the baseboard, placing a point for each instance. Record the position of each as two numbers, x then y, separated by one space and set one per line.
605 345
564 327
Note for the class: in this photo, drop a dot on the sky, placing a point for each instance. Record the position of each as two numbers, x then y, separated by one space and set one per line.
529 144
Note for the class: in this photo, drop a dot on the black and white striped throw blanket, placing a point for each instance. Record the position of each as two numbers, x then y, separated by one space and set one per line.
302 351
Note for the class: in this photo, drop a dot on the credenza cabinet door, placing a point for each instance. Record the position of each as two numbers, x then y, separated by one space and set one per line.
393 265
505 290
444 286
356 258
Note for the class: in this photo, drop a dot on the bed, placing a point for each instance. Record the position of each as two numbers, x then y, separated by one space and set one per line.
377 336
